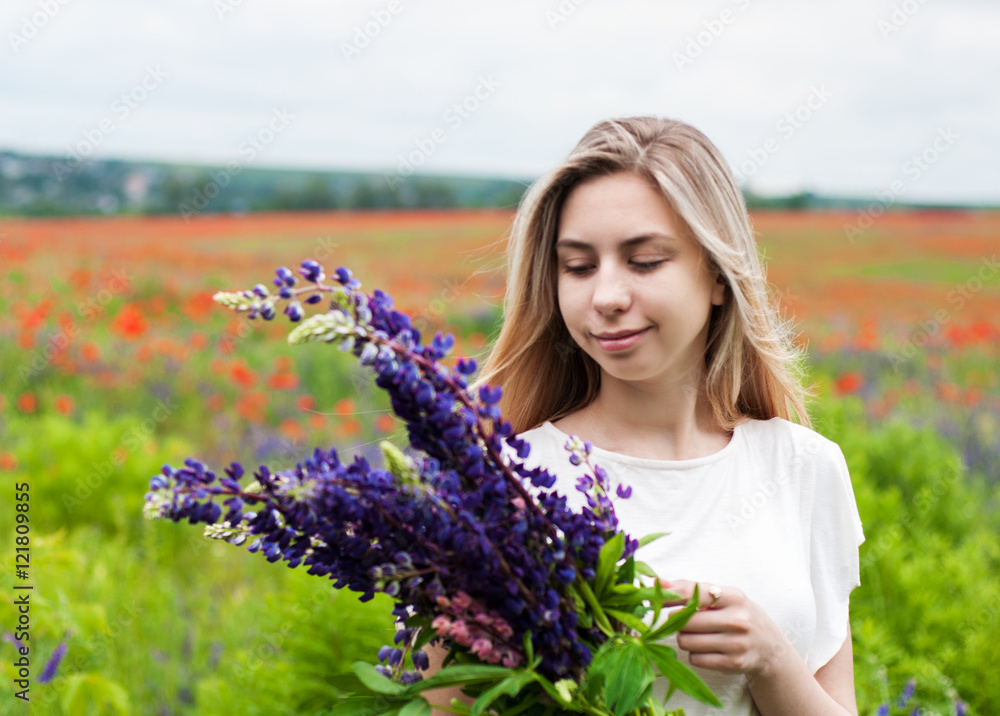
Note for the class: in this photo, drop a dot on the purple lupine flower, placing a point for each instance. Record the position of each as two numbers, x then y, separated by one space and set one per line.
883 710
17 643
52 665
960 708
904 698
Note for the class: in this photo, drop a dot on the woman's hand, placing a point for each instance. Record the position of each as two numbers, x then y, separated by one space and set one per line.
734 635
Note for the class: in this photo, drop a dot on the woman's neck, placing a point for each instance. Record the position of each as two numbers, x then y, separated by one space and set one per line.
667 425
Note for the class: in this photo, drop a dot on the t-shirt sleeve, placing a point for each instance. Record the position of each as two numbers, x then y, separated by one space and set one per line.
834 538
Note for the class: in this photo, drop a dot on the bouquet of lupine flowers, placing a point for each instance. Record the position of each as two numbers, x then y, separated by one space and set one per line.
541 607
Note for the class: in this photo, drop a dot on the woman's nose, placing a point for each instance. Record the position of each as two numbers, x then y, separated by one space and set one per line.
612 291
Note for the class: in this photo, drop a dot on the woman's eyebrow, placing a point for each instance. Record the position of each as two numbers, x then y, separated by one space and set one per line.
642 238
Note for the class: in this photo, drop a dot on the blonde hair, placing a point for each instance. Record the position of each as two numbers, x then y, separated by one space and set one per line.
754 369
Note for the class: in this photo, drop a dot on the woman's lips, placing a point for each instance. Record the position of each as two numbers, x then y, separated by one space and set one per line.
620 344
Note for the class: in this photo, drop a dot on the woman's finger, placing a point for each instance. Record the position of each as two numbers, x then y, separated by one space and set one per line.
710 595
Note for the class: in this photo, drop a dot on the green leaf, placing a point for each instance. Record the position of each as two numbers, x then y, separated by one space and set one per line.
416 707
629 675
629 620
626 575
675 621
549 687
680 674
457 675
529 648
596 673
657 599
595 607
644 569
636 596
375 681
610 553
643 541
510 686
347 682
365 706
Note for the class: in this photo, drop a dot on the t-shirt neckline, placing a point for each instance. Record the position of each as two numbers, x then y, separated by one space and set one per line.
600 454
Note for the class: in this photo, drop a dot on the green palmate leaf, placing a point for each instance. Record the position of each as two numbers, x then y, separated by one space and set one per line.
598 613
680 674
508 687
374 681
628 676
675 621
610 553
416 707
457 675
597 672
364 706
643 541
346 682
629 620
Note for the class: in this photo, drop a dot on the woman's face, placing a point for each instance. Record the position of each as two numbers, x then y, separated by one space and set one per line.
634 289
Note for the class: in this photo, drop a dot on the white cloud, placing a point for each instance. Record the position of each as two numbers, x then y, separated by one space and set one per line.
755 64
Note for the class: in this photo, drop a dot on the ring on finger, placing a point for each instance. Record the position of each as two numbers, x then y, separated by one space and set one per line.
716 591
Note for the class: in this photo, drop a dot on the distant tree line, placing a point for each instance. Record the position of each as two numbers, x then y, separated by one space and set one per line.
33 185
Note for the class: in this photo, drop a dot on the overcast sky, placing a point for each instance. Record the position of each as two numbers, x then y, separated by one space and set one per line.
851 97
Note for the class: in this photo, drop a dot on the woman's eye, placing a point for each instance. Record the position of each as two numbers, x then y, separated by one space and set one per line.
642 266
647 265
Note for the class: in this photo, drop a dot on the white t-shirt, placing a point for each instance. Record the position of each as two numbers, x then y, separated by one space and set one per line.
772 513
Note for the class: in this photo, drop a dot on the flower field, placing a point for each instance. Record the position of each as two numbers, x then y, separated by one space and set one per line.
114 360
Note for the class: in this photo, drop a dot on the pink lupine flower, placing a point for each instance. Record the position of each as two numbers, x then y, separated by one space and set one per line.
481 646
460 632
441 625
502 628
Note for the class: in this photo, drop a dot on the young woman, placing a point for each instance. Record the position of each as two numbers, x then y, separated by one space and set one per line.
638 318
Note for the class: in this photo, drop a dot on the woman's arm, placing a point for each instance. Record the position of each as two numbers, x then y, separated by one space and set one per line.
441 697
785 686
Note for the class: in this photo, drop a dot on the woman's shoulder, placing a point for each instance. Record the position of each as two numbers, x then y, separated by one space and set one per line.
784 435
